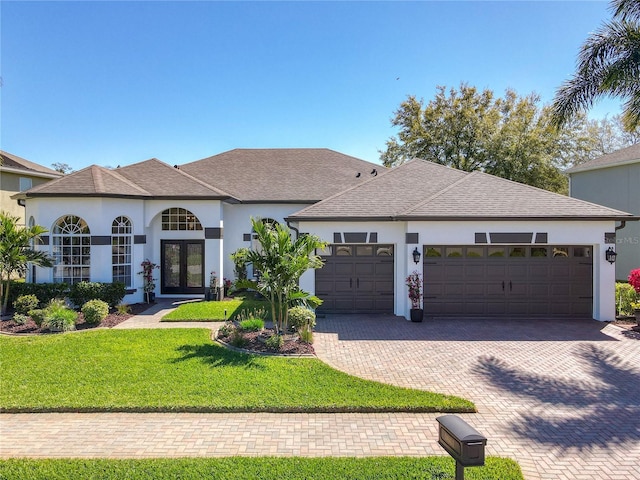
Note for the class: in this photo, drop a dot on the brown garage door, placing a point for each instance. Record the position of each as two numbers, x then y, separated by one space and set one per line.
508 280
356 279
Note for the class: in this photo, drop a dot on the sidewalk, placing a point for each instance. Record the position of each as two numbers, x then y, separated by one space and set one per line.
151 318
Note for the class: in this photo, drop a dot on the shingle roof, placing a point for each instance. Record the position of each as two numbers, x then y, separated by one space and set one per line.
151 178
423 190
296 175
8 160
163 180
620 157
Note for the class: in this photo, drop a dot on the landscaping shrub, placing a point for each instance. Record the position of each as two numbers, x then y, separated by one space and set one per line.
44 291
24 303
59 317
123 308
302 318
111 293
237 340
625 295
306 335
95 311
274 342
38 316
252 325
20 318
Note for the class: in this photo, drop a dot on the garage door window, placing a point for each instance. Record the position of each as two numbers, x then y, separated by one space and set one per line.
539 252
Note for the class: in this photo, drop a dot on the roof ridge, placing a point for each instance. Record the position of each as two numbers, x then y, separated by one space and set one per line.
441 192
201 182
124 179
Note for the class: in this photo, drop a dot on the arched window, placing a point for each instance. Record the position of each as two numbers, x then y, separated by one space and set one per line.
255 245
71 250
121 233
179 219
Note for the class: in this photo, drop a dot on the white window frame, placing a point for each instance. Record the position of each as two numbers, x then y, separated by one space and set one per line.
122 250
71 249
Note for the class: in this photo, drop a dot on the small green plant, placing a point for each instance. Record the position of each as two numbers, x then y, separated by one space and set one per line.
95 311
274 342
38 316
625 295
59 317
635 306
302 318
123 309
252 325
251 313
306 335
237 339
20 318
24 303
226 330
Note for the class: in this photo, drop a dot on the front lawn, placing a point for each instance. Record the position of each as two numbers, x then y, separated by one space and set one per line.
183 370
214 311
264 468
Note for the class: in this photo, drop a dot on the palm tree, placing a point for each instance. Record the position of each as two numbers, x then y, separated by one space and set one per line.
281 261
608 65
16 252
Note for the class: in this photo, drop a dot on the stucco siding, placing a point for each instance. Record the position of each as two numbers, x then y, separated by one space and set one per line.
617 187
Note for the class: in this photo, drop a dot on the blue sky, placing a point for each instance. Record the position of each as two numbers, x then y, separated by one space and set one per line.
114 83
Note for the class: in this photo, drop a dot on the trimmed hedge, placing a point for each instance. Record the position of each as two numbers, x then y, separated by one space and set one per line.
111 293
79 293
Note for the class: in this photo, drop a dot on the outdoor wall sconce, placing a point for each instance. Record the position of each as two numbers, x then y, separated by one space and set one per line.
610 255
416 256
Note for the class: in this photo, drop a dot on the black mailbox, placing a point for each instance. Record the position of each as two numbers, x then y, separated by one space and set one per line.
463 442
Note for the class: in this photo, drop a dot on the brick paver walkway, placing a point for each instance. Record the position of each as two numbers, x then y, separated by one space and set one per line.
560 397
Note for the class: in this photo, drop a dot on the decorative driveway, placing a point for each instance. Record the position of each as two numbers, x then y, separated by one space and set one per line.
562 397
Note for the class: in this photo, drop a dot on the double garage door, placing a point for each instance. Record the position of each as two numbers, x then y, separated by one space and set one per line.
480 280
356 279
508 280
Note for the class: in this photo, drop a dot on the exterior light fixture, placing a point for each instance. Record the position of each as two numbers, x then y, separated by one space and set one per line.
416 256
610 255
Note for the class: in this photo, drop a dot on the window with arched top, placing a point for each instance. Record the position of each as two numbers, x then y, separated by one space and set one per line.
121 242
71 245
179 219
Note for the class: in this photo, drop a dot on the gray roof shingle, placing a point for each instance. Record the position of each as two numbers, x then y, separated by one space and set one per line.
619 157
151 178
424 190
8 160
292 175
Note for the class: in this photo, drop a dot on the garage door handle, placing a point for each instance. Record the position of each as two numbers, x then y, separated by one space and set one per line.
503 285
351 283
358 283
510 285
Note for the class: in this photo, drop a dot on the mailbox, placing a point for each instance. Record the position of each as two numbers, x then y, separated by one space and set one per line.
463 442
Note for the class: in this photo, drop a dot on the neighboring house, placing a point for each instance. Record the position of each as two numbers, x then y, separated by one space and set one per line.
488 246
614 180
18 175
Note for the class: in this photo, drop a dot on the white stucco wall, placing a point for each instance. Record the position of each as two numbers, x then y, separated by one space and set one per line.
237 222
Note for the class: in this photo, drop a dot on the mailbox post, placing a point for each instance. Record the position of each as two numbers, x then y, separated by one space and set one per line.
463 442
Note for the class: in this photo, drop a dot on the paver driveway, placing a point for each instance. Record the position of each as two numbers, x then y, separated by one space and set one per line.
562 397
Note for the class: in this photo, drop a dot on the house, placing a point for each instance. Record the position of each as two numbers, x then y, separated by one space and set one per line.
614 180
18 175
486 246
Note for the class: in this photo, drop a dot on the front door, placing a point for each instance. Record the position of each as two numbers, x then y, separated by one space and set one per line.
182 266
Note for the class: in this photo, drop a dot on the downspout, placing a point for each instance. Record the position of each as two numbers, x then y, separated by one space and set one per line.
293 228
623 223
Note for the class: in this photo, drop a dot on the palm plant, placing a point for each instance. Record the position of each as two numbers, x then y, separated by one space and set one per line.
281 262
608 65
16 252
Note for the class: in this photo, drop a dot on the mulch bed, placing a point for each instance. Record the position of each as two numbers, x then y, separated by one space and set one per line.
113 319
292 344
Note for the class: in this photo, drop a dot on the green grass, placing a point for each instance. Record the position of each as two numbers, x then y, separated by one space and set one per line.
213 311
263 468
183 370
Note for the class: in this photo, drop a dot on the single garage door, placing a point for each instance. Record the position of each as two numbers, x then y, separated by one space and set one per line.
356 279
508 280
